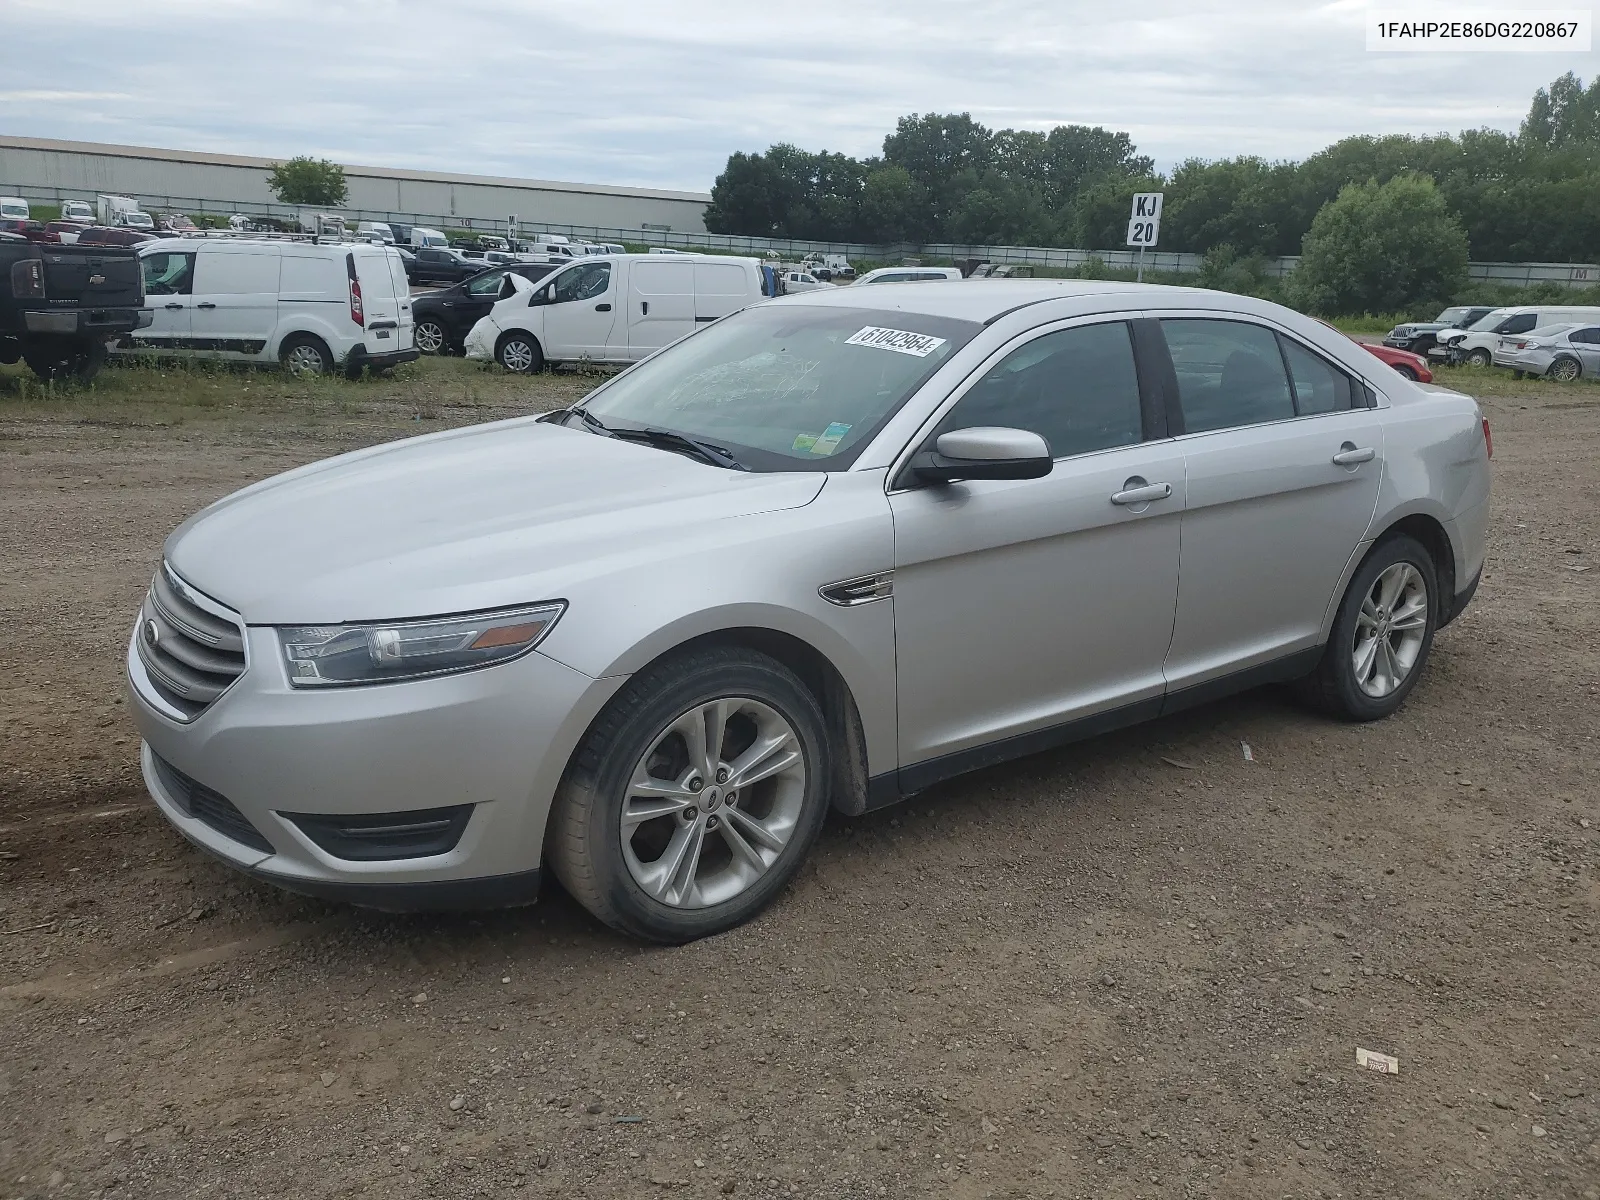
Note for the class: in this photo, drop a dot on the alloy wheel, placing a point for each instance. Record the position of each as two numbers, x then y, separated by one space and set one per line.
1390 629
430 337
1565 370
712 804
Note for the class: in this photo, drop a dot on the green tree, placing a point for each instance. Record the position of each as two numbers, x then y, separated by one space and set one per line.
890 201
1382 247
305 180
1563 113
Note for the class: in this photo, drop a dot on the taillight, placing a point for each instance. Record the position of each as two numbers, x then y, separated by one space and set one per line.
1488 438
27 279
357 313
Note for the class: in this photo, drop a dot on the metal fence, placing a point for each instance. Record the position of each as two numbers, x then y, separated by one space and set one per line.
1576 275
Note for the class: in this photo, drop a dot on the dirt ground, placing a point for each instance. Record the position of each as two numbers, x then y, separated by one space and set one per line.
1139 967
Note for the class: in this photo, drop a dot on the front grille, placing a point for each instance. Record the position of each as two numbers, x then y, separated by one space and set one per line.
209 807
192 650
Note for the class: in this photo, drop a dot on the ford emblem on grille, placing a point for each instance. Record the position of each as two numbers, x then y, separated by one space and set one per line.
152 634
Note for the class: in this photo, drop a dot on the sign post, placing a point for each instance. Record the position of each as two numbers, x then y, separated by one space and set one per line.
1144 223
511 226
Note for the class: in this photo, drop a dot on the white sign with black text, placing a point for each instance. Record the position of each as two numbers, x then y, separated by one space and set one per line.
1144 225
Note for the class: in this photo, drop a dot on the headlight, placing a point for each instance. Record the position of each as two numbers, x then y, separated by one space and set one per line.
333 655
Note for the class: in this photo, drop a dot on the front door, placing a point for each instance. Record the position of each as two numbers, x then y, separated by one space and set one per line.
660 304
1024 606
1283 480
168 291
578 321
235 302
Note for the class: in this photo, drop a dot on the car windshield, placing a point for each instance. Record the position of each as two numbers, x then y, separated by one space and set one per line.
1489 320
786 387
1451 316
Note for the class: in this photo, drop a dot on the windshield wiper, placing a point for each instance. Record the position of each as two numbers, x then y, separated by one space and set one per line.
717 456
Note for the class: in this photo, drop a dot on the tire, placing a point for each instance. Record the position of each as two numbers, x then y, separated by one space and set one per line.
303 356
431 337
628 883
1478 358
519 353
1336 686
64 360
1405 372
1519 374
1565 369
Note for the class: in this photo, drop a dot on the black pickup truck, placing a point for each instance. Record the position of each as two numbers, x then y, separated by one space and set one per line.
60 305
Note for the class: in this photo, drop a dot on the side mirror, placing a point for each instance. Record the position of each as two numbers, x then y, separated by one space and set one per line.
984 452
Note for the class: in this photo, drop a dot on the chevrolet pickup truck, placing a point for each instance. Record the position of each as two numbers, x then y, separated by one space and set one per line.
60 305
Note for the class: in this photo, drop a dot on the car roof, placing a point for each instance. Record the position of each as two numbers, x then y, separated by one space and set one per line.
983 300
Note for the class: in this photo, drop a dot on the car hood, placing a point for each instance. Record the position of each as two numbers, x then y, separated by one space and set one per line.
489 516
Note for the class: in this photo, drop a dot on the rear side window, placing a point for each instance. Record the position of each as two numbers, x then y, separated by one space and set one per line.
1230 373
1590 336
1076 388
487 284
1318 387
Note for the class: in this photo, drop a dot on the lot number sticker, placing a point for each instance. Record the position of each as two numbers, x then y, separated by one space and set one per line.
901 341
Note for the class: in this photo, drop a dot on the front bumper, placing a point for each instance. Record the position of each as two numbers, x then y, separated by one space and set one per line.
497 739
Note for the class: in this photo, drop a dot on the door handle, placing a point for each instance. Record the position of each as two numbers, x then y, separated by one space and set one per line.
206 305
644 308
1142 493
602 308
1349 455
172 306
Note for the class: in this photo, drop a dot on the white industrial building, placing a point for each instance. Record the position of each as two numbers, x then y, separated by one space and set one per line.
193 181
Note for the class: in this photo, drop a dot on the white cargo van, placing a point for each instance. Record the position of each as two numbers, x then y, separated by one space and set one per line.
375 231
14 208
614 308
311 308
422 236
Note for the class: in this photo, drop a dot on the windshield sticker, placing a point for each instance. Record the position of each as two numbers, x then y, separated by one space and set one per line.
831 437
901 341
804 442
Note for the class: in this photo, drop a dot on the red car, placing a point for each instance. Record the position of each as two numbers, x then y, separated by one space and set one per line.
1412 366
106 235
32 230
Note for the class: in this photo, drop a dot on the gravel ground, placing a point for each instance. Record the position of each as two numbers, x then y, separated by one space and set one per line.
1138 967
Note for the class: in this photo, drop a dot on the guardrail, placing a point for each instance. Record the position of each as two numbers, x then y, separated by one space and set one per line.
1576 275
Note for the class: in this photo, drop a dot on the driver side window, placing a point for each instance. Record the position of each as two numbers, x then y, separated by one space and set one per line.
583 283
1076 388
168 274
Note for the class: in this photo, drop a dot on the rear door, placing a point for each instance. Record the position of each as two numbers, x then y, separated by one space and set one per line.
661 303
1585 344
1283 461
380 301
406 335
722 288
235 300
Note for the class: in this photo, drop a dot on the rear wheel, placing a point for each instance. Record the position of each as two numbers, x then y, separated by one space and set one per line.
431 337
518 352
1381 636
303 356
1565 369
59 360
1478 358
694 797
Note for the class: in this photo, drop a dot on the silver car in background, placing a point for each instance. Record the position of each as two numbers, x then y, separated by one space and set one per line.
1567 351
825 552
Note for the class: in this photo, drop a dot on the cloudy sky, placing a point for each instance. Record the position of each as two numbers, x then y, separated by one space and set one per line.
659 92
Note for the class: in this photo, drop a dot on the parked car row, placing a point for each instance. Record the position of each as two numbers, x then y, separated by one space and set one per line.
1535 339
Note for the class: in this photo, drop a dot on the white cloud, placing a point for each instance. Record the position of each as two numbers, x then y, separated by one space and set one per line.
660 93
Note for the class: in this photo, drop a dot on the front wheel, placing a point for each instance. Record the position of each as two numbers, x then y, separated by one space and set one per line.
519 353
1478 358
1405 372
1381 636
694 797
1565 369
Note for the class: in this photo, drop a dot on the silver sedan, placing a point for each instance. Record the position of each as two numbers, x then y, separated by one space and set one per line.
1566 352
823 553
